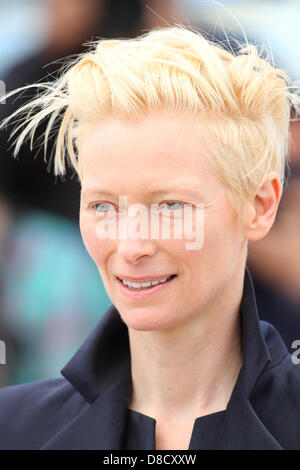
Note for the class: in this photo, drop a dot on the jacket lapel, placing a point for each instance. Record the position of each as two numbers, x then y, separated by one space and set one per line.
243 430
99 427
100 371
242 427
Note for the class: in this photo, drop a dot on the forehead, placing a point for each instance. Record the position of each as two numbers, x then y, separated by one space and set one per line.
160 147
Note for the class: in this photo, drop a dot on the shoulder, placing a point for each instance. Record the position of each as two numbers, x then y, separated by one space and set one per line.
31 413
275 396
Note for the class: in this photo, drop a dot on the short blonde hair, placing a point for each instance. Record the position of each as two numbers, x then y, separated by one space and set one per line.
245 100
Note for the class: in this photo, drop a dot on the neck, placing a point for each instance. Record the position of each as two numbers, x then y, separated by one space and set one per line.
191 369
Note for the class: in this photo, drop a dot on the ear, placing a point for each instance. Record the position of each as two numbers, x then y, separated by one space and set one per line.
263 207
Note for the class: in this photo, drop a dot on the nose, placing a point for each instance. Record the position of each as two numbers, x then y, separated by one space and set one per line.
133 250
135 245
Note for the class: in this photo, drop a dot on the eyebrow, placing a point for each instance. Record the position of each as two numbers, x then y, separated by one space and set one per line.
153 192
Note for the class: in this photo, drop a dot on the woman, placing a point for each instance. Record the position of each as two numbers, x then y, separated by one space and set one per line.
180 360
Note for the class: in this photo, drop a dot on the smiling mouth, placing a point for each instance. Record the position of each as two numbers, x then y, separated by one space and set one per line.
146 288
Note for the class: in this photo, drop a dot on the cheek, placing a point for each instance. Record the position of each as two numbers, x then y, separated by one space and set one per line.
95 246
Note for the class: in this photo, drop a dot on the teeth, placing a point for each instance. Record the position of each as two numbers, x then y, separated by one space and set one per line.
143 284
138 285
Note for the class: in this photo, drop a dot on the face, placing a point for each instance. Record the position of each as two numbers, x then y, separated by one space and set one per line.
157 160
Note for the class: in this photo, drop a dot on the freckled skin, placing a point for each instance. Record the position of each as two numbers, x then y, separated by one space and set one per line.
131 158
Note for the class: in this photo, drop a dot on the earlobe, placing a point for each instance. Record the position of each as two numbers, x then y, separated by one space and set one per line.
264 207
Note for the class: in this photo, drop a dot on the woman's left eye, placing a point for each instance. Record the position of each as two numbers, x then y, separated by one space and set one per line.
174 205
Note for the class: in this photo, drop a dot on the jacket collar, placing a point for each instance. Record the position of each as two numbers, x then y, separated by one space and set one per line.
100 371
103 359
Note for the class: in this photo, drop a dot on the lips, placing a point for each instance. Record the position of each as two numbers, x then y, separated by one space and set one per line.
141 293
146 278
141 287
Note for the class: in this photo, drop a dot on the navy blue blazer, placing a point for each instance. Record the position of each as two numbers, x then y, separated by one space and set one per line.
86 408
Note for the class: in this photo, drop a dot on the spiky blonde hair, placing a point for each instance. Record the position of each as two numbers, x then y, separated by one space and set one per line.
241 100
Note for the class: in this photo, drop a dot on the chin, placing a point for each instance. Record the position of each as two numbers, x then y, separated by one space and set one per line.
137 319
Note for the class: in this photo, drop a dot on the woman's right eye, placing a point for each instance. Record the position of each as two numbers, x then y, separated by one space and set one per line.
104 207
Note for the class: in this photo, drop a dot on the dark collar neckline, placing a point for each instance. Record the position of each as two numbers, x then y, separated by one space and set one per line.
103 360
